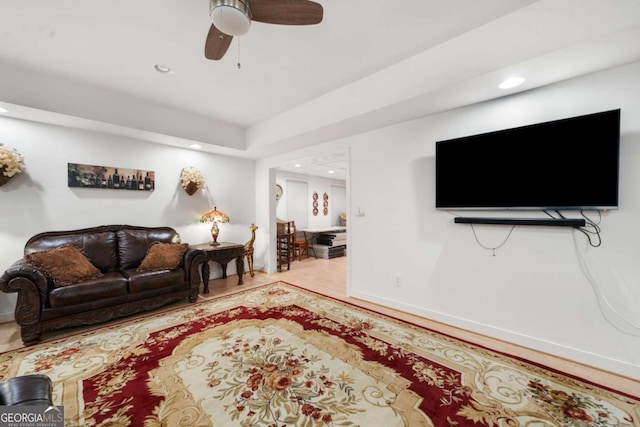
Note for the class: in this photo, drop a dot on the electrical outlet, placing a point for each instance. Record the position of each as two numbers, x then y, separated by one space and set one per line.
396 279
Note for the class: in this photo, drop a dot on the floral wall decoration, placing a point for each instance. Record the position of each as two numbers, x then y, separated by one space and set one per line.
109 177
315 203
325 204
11 163
192 180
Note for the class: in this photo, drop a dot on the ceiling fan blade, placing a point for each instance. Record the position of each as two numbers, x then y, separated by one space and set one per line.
286 12
217 44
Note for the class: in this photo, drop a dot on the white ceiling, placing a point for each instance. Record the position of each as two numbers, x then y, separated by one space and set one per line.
331 165
370 63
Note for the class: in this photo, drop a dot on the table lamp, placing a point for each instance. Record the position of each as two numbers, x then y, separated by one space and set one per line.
214 216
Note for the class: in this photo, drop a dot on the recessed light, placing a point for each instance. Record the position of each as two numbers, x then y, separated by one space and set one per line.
332 171
3 110
163 69
196 146
297 165
511 82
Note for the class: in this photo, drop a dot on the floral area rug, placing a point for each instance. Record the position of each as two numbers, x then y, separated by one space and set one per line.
278 355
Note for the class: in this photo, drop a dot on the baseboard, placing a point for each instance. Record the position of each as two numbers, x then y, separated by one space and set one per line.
587 358
6 317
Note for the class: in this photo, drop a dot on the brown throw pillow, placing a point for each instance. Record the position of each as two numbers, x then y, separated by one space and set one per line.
163 256
66 265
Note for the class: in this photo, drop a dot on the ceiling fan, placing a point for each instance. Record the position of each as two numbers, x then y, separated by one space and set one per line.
233 18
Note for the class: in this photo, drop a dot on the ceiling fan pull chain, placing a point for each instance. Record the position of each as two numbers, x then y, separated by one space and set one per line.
239 53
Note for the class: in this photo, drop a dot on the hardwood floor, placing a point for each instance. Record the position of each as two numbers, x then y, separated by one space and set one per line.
329 277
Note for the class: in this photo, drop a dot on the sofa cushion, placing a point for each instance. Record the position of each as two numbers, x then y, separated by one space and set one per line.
163 256
65 265
140 281
133 243
107 286
98 246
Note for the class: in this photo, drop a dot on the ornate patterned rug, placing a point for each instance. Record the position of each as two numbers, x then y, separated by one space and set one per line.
278 356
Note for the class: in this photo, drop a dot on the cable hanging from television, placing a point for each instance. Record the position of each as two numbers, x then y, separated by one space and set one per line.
608 311
492 249
591 228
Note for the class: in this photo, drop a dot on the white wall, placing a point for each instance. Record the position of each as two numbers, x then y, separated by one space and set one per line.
534 291
314 183
39 200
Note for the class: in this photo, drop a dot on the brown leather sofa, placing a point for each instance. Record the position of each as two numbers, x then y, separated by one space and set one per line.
117 289
30 390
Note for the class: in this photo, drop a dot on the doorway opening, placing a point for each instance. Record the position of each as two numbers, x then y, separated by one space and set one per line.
313 192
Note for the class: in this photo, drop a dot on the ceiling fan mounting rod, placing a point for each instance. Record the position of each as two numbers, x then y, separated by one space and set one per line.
241 5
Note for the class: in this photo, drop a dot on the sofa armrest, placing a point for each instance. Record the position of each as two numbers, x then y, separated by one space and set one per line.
32 287
192 260
34 389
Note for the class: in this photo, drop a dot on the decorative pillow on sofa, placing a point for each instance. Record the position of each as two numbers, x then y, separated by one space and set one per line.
163 256
66 265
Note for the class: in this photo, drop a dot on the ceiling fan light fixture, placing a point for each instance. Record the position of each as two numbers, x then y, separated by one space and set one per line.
231 17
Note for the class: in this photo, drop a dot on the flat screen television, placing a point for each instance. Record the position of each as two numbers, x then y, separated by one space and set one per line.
570 163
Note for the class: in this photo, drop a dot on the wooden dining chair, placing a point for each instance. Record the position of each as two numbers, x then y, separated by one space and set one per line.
300 246
284 243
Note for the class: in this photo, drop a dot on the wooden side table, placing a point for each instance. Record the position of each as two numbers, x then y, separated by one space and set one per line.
221 254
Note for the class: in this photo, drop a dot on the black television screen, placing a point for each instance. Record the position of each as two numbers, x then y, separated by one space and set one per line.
563 164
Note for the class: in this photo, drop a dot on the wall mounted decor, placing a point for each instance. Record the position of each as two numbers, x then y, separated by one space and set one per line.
192 180
325 204
107 177
315 203
11 163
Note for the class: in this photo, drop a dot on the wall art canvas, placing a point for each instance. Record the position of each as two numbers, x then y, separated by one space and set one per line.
108 177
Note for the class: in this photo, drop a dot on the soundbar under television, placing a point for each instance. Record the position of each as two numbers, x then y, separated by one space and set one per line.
570 163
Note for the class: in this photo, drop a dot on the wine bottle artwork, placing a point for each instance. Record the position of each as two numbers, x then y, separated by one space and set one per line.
109 178
147 182
116 179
